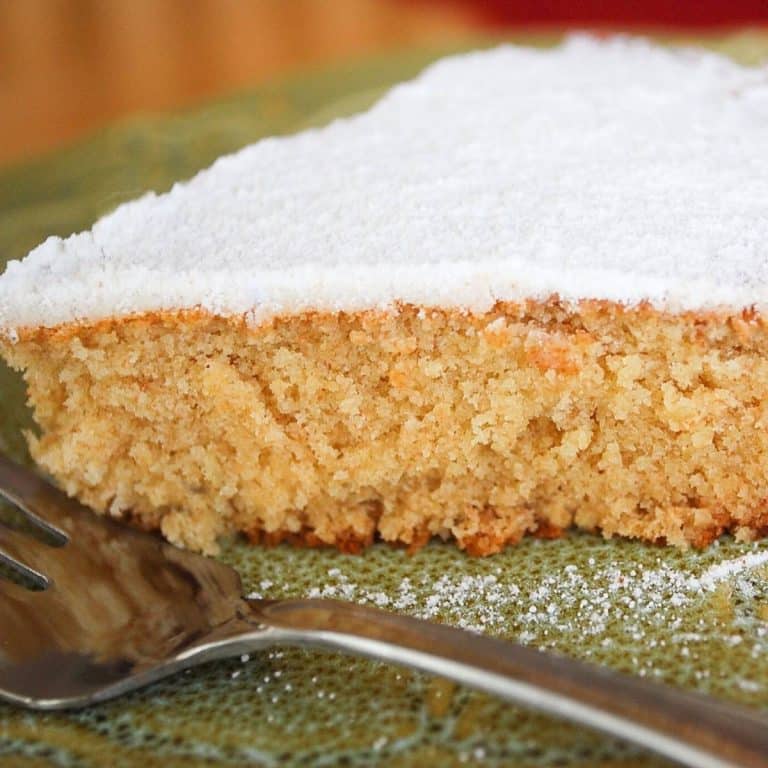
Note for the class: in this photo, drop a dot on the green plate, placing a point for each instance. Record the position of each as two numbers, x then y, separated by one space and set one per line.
694 619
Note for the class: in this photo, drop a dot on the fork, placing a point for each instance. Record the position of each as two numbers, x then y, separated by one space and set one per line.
114 609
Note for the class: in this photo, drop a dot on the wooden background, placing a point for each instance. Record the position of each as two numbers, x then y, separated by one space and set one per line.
70 66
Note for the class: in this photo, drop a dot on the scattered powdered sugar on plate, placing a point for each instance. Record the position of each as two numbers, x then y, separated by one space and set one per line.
628 611
591 598
721 571
696 619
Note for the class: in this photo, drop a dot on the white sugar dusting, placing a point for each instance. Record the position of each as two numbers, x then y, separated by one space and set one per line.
611 169
729 568
603 606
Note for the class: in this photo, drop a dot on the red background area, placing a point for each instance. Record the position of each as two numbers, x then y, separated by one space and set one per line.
638 13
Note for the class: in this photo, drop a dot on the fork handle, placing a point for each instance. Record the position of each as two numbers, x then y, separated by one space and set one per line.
689 728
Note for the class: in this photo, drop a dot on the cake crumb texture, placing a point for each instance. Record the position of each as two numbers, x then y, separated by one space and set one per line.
340 428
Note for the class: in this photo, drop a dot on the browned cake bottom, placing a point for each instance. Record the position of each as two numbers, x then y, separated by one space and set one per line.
338 428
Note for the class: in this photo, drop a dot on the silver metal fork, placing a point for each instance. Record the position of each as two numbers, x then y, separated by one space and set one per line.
116 609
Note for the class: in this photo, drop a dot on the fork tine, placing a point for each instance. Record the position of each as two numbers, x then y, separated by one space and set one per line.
39 500
23 553
11 594
13 591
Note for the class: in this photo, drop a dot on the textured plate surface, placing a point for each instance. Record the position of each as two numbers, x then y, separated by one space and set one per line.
695 619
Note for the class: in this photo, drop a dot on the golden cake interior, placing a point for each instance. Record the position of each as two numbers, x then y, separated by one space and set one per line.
339 428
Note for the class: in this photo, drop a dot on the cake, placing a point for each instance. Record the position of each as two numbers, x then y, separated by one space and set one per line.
525 292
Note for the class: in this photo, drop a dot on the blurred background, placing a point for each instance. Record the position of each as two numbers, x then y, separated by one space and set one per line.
69 67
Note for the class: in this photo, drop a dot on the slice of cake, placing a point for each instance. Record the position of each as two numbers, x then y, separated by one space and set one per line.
524 292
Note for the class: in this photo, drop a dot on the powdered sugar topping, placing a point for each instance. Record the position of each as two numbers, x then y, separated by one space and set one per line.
602 169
